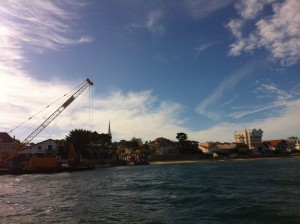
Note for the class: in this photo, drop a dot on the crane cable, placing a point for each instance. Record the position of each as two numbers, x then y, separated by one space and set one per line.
72 111
63 120
45 108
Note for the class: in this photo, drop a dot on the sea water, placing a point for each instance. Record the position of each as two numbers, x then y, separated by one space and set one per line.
247 191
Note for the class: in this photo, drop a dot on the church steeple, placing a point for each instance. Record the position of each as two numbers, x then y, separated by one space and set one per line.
109 131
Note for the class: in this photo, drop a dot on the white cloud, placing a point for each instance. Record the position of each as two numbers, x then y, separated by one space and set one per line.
85 39
35 25
249 9
204 8
278 33
138 114
152 22
235 26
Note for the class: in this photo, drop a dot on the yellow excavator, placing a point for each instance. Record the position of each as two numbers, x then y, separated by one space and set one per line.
12 160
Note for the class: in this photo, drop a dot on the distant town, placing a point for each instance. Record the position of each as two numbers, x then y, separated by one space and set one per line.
100 150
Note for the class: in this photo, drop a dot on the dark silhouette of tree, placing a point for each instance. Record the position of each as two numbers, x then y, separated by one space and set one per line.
182 137
186 146
81 138
103 139
145 150
133 144
293 139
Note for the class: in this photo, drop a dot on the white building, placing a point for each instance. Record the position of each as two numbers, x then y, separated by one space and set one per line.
49 146
251 137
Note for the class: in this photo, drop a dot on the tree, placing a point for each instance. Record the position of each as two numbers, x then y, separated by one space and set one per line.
182 137
293 139
103 139
186 146
81 138
146 150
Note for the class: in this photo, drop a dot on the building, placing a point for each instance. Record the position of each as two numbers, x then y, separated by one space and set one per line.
208 147
47 147
279 145
6 144
251 137
214 147
163 146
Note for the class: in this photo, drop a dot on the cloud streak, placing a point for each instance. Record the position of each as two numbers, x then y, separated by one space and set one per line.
35 26
204 8
226 85
204 46
279 98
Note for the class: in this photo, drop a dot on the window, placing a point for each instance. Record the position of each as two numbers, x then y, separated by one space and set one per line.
49 147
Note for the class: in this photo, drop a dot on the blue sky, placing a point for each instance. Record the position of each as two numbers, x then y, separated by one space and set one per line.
203 67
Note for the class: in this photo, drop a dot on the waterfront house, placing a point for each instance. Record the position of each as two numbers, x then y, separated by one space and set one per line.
162 146
242 147
208 147
226 147
47 147
217 148
279 145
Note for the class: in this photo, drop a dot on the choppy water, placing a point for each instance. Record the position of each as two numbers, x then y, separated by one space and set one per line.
252 191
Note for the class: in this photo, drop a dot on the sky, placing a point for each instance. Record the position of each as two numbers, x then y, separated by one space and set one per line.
203 67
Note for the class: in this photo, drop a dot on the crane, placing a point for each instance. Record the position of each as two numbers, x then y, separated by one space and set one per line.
40 128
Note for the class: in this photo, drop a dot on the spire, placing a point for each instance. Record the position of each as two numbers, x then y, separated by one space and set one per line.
109 132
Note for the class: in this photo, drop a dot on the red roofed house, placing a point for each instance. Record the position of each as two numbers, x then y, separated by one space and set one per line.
276 145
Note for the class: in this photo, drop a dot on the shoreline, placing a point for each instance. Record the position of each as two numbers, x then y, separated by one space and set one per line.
167 162
176 162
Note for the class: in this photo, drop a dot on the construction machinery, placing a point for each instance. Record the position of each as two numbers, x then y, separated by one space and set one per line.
37 162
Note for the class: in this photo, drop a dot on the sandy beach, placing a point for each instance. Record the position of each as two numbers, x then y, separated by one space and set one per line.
176 162
217 160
